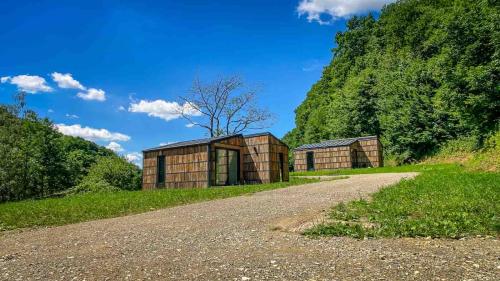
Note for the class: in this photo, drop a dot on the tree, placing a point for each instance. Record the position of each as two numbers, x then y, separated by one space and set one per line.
109 174
38 161
226 106
423 73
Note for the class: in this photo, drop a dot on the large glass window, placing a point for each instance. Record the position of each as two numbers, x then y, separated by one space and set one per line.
226 167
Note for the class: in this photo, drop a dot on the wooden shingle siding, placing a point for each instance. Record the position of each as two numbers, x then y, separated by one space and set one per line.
324 158
372 153
256 159
185 167
277 147
368 154
194 165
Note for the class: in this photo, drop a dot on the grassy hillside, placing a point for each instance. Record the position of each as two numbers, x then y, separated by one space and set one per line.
92 206
36 161
423 73
452 200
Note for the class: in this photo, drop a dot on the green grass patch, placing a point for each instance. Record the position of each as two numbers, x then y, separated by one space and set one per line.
390 169
91 206
444 201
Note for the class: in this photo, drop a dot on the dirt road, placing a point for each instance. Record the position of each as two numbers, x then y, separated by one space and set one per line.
242 238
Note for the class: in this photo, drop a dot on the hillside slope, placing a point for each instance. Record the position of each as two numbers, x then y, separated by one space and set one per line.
423 73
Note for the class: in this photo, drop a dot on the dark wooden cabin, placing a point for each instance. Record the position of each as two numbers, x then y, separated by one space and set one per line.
339 154
226 160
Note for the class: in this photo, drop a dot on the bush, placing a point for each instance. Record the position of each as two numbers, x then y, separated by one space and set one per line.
460 146
488 159
112 172
93 186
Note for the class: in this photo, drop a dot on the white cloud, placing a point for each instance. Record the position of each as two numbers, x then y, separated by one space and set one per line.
93 94
50 110
334 9
28 83
121 108
90 133
116 147
134 157
163 109
190 125
72 116
66 81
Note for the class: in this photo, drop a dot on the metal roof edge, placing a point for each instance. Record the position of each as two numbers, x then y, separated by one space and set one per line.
194 142
327 146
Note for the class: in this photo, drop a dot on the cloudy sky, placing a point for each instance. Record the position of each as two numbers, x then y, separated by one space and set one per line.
112 71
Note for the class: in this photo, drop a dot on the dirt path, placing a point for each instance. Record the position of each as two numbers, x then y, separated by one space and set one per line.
241 238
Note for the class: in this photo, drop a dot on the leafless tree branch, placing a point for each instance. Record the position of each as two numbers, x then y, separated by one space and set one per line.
226 107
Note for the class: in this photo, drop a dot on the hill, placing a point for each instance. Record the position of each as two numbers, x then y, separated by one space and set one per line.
423 73
37 161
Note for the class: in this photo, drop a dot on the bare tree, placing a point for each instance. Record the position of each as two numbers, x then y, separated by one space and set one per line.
226 107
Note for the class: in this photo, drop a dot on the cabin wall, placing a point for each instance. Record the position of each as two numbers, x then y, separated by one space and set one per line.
256 152
324 158
184 167
277 147
189 166
372 150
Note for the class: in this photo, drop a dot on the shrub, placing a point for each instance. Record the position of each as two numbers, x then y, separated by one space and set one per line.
114 172
93 186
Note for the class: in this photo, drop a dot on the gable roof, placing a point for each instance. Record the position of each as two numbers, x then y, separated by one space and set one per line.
333 143
193 142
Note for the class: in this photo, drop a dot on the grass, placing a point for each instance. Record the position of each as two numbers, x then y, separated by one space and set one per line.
91 206
446 201
389 169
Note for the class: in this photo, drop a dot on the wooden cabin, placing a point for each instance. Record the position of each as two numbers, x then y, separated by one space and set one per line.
219 161
339 154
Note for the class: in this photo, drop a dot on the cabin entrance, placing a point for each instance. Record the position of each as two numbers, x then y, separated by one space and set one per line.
281 167
354 157
310 161
227 168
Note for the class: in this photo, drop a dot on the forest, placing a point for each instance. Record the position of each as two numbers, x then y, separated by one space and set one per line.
37 161
418 75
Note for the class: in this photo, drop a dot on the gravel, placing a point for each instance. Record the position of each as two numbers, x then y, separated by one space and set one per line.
252 237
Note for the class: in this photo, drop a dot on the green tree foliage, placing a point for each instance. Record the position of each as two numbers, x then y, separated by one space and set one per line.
37 161
111 172
423 73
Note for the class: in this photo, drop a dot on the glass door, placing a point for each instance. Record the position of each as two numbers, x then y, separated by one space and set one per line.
227 167
232 167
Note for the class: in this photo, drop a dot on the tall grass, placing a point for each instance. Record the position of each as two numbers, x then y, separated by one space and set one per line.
391 169
446 202
91 206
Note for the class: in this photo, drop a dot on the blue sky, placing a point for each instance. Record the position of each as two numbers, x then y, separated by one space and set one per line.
99 57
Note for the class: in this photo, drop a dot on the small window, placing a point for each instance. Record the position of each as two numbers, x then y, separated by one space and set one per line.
160 169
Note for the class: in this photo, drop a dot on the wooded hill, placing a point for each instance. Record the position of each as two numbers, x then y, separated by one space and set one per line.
423 73
37 161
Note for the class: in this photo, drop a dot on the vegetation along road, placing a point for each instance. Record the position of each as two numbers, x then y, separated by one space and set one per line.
250 237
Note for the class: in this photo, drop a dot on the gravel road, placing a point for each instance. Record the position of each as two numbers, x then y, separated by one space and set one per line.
241 238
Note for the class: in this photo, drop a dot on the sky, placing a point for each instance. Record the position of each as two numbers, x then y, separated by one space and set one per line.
112 71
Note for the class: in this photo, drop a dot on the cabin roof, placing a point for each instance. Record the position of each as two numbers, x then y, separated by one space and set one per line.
210 140
333 143
193 142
